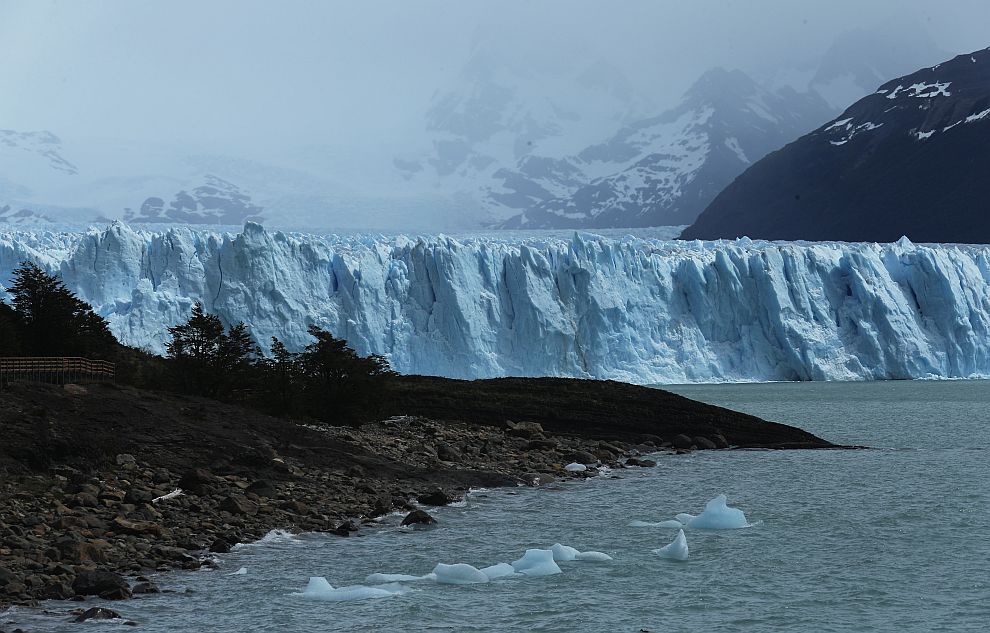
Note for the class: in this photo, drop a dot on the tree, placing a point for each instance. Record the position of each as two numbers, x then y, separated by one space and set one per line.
52 320
341 383
282 377
205 359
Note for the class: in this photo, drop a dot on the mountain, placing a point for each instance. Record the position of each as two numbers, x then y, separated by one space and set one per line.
664 170
214 202
637 310
910 159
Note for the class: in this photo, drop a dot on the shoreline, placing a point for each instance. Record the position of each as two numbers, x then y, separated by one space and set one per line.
87 479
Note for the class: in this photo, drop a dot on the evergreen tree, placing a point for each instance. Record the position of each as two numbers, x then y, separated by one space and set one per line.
341 383
207 360
53 321
283 376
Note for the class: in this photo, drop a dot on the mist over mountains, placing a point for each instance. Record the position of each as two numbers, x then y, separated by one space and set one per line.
566 141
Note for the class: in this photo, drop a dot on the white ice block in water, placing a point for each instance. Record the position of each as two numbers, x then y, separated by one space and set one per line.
593 556
676 550
459 574
575 467
563 552
240 572
320 589
684 518
536 562
669 523
384 579
719 516
499 570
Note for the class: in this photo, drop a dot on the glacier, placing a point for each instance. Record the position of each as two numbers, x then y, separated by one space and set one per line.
620 307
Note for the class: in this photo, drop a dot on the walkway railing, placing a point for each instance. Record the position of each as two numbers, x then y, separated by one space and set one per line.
56 370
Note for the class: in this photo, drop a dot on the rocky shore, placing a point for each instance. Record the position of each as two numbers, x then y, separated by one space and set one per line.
99 484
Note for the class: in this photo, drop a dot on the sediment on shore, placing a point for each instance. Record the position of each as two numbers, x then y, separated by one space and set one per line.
88 474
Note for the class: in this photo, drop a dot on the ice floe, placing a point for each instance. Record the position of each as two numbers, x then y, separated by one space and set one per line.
384 579
719 516
676 550
459 574
536 562
499 570
240 572
319 588
575 468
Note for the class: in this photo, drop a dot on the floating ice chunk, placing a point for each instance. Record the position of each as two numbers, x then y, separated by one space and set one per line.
563 552
638 523
384 579
536 562
320 589
240 572
575 467
317 585
676 550
499 570
671 523
719 516
593 556
459 574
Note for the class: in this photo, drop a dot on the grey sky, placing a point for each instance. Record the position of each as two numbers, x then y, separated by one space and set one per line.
224 73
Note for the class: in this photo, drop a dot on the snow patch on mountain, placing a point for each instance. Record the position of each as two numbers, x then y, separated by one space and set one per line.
626 308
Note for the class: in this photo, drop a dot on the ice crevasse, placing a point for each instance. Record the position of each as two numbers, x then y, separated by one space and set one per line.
633 309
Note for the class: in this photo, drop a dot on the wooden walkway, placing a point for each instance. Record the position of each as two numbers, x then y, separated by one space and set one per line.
58 370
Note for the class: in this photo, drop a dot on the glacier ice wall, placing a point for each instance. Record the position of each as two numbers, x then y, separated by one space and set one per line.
633 309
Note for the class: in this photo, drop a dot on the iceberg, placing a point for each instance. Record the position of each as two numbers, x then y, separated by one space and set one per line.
459 574
536 562
320 589
499 570
676 550
575 467
639 310
565 553
384 579
719 516
240 572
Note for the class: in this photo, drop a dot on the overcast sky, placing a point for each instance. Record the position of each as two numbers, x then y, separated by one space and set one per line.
282 72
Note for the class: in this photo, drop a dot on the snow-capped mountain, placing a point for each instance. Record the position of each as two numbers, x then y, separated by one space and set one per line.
664 170
910 159
214 202
640 310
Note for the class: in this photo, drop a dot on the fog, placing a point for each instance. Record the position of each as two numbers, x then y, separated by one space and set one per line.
352 82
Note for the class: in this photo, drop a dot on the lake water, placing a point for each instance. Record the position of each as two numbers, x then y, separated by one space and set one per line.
896 538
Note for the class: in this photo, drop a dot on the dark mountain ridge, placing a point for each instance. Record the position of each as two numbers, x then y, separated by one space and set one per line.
910 159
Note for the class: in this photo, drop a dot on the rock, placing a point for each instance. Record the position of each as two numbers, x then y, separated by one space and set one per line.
436 498
75 390
124 526
83 500
79 552
145 587
537 479
239 504
720 441
527 430
97 613
124 458
643 463
139 496
262 488
197 481
540 445
7 576
220 546
418 517
682 441
703 442
295 507
345 528
581 457
448 453
98 583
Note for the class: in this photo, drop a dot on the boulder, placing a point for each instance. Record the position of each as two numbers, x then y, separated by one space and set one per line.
138 528
105 584
145 587
682 441
527 430
448 453
436 498
262 488
418 517
97 613
196 481
220 546
239 504
703 442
